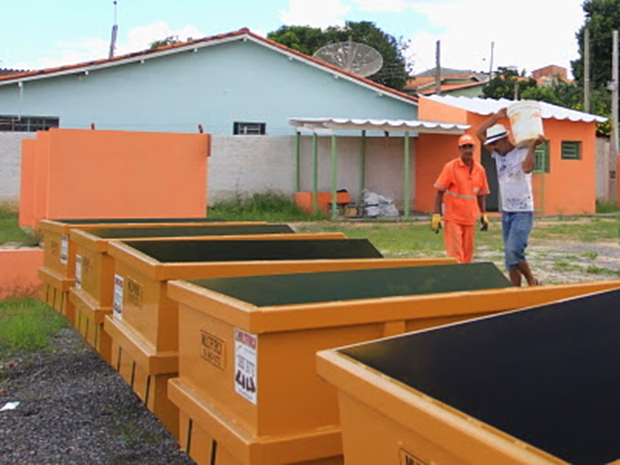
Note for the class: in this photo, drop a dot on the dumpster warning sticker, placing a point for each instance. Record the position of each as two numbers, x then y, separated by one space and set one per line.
78 271
246 347
117 305
64 249
407 458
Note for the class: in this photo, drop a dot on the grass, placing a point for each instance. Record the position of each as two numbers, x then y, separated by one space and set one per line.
607 207
27 325
10 230
271 207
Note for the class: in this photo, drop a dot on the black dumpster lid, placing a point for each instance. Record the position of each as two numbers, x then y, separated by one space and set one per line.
135 220
329 286
548 376
242 250
177 231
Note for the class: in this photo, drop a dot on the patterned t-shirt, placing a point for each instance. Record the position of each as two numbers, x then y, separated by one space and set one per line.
515 186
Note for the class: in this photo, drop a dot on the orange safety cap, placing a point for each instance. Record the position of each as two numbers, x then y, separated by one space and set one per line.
466 139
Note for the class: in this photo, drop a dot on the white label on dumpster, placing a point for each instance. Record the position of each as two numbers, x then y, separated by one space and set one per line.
78 271
246 347
117 305
64 249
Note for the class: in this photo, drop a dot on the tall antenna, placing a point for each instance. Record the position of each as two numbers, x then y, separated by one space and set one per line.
114 32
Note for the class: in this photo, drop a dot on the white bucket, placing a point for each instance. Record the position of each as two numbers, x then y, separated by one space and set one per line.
525 120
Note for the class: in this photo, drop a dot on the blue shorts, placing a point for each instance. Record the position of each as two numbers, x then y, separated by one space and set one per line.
516 229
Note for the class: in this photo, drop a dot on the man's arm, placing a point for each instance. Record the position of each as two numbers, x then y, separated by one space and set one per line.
438 201
529 163
482 130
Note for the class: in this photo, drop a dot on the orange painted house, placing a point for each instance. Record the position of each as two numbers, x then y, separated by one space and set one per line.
564 181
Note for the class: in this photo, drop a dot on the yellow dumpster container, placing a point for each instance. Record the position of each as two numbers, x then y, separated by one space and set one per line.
93 290
535 386
144 325
247 388
58 252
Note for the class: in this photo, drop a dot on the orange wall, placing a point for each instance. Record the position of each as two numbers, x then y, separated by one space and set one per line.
18 272
570 186
435 111
115 174
432 152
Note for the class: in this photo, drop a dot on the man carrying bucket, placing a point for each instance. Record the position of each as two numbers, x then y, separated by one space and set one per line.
461 186
514 168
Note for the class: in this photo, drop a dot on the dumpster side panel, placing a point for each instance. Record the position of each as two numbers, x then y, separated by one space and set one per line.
147 309
286 379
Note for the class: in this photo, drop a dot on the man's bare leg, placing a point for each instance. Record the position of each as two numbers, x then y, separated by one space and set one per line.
524 269
515 277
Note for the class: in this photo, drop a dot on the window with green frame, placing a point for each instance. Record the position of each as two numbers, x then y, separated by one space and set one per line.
571 150
541 157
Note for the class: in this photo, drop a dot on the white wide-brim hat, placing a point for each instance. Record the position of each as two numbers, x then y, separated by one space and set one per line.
495 132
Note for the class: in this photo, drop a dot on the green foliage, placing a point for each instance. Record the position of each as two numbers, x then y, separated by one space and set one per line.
170 40
27 325
602 18
308 40
506 83
270 206
607 207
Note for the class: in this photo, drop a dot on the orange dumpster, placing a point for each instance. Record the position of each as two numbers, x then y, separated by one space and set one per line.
534 386
94 269
58 252
247 388
144 325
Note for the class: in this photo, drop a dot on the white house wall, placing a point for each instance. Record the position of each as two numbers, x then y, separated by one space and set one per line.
213 86
10 163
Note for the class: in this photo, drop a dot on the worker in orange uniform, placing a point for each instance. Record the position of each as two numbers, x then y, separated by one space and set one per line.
461 187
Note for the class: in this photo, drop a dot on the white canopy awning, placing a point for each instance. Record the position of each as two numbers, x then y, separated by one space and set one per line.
329 125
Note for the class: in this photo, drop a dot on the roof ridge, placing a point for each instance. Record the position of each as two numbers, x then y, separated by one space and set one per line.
240 32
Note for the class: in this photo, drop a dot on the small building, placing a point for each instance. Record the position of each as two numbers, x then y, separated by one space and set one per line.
564 180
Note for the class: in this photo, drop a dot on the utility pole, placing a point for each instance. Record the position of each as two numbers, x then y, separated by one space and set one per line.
586 71
613 159
491 61
438 68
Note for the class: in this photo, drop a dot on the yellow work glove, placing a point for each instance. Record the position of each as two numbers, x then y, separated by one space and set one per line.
484 219
436 222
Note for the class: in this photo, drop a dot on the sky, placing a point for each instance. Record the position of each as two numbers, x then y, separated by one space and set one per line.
473 34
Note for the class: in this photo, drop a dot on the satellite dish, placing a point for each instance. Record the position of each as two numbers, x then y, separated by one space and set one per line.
360 59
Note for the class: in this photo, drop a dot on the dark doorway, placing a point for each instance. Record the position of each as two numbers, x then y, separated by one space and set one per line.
492 200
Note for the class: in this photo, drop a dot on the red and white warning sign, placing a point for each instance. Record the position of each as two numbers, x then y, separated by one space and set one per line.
246 369
117 303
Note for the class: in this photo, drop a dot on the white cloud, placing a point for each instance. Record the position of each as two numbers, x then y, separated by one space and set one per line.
530 34
315 13
90 48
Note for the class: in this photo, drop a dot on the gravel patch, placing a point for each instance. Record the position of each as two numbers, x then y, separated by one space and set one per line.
74 408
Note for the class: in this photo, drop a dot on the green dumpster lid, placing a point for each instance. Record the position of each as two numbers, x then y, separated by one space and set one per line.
136 220
243 250
547 375
289 289
177 231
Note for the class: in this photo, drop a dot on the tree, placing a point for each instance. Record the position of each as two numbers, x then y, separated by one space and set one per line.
602 18
308 40
506 83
